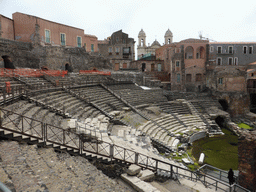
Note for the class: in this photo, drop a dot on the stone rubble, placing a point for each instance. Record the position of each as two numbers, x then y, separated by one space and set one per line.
28 168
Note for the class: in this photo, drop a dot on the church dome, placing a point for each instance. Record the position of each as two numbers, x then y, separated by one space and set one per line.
156 43
168 33
142 33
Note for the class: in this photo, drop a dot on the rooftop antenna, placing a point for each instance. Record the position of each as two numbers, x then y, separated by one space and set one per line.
200 35
205 38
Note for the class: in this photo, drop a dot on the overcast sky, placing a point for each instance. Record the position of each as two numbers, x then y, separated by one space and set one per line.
219 20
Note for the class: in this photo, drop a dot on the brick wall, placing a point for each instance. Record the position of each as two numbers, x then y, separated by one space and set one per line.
247 160
6 28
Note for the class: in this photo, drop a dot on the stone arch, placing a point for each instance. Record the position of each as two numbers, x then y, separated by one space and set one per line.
68 67
220 121
200 53
224 104
7 62
189 52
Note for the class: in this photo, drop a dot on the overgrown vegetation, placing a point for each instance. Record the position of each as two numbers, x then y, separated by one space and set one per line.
220 151
244 126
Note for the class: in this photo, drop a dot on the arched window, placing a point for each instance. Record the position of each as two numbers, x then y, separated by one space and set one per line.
141 42
200 53
189 52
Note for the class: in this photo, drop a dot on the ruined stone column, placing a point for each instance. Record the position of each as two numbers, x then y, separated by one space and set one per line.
247 160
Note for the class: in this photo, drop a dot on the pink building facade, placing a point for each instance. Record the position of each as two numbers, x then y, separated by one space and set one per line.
186 63
51 33
6 28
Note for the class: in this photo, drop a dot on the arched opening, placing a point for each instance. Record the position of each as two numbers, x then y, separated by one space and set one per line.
224 104
8 62
66 67
220 121
141 42
200 53
143 67
189 52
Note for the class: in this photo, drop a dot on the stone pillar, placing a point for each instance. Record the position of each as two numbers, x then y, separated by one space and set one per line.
247 160
36 40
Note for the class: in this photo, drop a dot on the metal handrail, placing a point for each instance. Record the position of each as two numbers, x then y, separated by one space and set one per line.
58 136
219 170
4 188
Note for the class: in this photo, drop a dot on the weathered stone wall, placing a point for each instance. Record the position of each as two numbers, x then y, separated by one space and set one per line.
246 156
238 103
247 160
55 57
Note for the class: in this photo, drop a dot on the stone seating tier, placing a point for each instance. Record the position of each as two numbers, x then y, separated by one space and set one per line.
138 97
101 97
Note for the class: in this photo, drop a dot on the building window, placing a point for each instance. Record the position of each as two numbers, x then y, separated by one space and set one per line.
117 39
124 41
117 49
219 49
198 77
211 49
251 50
230 61
63 39
177 63
230 49
220 81
159 67
110 49
245 49
236 61
92 47
126 50
47 36
85 46
189 52
219 61
178 78
79 41
188 77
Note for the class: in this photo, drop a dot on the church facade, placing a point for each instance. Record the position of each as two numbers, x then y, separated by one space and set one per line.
144 51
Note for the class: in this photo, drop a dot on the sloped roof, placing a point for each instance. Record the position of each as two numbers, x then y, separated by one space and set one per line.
156 43
168 33
142 33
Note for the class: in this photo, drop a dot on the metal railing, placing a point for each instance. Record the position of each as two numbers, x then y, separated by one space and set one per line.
48 134
216 172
